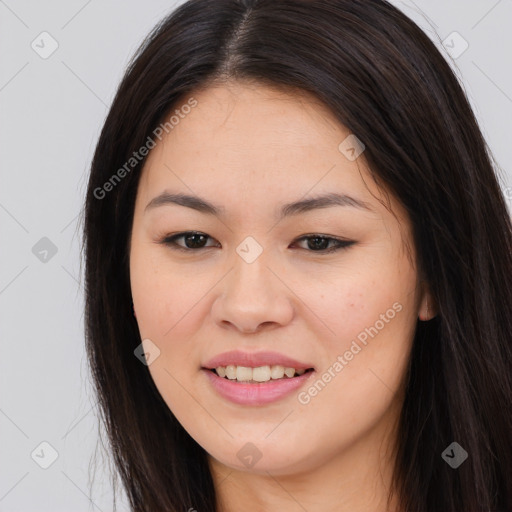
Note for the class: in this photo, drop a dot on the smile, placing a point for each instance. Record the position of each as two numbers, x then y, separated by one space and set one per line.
259 374
252 392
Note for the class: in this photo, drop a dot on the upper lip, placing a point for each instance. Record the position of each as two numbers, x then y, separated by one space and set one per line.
254 360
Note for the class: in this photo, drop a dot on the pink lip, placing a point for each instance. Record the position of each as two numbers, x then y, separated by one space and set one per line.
254 360
256 393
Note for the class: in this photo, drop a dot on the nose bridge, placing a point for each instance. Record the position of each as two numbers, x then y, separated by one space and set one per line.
252 294
250 266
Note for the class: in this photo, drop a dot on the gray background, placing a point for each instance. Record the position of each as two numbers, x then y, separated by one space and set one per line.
52 110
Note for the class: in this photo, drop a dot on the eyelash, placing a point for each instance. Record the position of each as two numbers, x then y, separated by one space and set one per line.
170 241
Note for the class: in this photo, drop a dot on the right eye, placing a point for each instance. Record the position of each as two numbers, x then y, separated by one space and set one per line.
193 240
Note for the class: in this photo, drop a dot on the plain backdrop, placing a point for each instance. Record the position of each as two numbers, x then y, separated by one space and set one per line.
52 109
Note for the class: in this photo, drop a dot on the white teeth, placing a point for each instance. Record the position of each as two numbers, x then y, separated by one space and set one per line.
289 372
259 374
277 372
243 373
231 372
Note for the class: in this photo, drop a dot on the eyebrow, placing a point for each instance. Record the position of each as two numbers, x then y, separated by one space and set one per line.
288 209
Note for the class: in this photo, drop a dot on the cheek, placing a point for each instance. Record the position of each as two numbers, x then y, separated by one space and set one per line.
365 361
352 305
167 304
162 293
371 319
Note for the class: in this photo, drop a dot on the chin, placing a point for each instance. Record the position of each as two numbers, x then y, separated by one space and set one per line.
263 459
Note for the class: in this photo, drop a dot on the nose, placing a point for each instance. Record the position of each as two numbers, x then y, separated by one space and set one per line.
253 297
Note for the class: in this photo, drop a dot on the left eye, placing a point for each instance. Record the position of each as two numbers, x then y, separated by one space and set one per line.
320 243
196 240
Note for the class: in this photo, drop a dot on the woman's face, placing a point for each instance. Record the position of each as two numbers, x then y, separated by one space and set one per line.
252 283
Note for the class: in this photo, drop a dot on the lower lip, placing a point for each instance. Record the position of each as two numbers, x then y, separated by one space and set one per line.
257 393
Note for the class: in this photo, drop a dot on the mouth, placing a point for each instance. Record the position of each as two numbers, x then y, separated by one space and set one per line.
257 386
256 378
259 374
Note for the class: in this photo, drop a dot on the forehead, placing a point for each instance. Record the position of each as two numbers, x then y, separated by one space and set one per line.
254 145
254 117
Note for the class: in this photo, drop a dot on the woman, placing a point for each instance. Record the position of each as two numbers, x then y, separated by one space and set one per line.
298 263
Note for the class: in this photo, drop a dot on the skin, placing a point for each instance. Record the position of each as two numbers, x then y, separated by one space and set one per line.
250 148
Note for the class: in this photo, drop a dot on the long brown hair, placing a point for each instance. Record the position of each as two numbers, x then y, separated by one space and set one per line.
384 79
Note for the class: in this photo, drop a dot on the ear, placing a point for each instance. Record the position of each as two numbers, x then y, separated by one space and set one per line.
428 307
